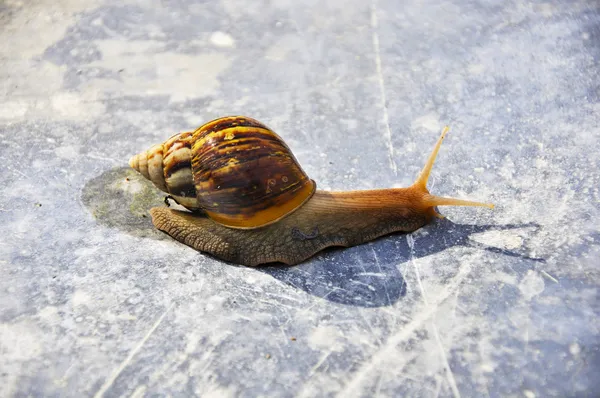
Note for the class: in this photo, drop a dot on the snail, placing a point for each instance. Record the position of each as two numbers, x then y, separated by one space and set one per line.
251 203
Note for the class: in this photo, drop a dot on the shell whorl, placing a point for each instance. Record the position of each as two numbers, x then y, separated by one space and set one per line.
168 166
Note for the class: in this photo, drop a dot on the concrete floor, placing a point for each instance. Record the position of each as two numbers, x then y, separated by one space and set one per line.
94 301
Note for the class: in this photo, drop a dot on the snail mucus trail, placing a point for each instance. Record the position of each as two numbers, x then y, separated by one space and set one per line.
251 203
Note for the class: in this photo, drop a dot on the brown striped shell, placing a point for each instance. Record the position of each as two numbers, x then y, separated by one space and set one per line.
234 168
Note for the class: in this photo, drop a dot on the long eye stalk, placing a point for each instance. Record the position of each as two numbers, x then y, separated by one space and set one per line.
421 182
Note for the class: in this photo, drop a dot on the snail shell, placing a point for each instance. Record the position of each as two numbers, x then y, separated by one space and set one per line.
236 169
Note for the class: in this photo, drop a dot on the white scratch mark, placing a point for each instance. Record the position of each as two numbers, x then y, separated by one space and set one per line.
442 350
402 273
370 287
455 306
63 380
139 392
250 289
386 118
319 363
283 296
378 386
449 373
109 382
372 332
98 157
17 171
389 301
376 274
526 336
208 357
317 301
547 275
307 390
27 178
285 337
277 304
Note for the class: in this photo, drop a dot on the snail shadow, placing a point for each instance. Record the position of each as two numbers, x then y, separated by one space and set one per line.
371 275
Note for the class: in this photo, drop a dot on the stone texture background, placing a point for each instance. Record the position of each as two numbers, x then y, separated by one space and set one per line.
94 301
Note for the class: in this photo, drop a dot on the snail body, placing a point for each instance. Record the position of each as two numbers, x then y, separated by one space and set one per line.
251 203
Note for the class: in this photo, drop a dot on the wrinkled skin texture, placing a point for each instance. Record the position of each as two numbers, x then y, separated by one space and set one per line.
327 219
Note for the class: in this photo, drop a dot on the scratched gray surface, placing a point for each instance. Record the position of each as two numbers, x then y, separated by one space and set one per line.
94 301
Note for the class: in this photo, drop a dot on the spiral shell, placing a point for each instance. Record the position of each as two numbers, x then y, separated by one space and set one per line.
169 167
234 168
